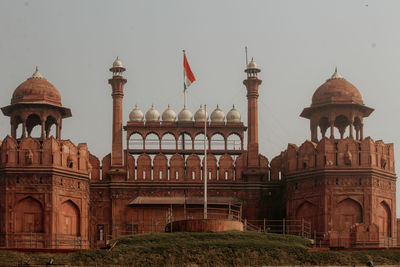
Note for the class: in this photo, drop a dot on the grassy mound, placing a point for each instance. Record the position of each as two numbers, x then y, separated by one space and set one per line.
206 249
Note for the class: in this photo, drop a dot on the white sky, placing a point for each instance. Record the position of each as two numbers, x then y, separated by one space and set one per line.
297 44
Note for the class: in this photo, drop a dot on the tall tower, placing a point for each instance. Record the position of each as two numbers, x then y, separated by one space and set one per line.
117 83
252 82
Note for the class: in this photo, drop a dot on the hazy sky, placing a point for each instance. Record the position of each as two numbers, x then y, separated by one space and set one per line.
297 45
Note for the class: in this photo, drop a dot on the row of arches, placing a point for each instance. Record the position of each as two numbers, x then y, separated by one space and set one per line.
35 126
338 126
176 168
345 215
168 141
31 217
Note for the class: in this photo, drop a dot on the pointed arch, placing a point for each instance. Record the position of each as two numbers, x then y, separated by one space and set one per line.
309 212
384 217
346 213
69 218
29 216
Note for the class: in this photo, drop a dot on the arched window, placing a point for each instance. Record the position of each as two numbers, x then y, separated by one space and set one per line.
152 141
234 142
185 141
217 142
168 141
199 142
33 126
136 141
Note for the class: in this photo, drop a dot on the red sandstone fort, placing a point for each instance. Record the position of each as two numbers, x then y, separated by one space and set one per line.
338 190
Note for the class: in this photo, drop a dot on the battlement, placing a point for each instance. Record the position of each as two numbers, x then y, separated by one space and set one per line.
177 168
48 152
334 154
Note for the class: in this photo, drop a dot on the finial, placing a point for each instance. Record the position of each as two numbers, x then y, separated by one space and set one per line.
37 74
136 106
336 75
233 106
169 106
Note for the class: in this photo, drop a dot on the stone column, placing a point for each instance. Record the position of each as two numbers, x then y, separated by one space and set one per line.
332 127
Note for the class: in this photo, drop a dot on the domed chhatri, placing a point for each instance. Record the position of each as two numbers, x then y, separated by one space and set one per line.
201 115
336 90
217 115
169 115
152 114
36 90
136 114
233 116
185 115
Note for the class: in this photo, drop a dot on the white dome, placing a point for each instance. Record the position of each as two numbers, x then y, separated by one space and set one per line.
233 115
217 115
152 114
169 114
201 115
136 114
252 65
185 115
117 63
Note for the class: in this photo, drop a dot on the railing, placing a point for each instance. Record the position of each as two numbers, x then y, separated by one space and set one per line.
352 239
42 240
289 227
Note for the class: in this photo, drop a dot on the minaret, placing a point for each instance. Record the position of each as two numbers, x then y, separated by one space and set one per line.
117 83
252 82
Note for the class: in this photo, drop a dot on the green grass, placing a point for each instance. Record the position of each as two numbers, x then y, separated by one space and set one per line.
206 249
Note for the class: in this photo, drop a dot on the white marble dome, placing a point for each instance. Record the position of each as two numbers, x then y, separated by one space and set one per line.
136 114
201 115
117 63
185 115
168 114
152 114
233 115
252 65
217 115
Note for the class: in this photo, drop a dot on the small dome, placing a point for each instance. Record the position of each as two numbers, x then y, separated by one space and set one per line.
252 65
152 114
217 115
117 63
336 90
201 115
233 115
185 115
136 114
36 90
169 114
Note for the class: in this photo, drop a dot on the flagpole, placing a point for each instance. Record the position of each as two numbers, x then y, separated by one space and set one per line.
205 161
184 85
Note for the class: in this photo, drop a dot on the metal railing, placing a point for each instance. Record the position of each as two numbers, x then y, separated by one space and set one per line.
42 240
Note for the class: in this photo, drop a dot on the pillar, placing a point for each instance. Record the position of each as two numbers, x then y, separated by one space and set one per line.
332 127
23 129
362 132
43 129
314 131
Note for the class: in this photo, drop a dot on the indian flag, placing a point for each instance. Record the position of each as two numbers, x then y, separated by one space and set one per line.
189 77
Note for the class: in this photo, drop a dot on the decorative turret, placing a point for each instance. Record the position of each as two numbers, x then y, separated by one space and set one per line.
36 102
336 103
117 83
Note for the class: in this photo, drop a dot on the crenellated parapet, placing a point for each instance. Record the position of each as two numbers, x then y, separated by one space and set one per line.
176 168
334 154
31 152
